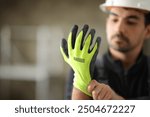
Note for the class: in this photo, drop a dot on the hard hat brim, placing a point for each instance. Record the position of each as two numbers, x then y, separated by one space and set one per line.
105 7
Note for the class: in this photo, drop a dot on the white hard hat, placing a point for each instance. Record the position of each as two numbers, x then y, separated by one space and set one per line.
137 4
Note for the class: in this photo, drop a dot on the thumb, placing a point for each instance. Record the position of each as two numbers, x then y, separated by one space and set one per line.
64 49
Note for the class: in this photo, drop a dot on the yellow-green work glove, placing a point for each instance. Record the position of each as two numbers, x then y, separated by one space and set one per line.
79 53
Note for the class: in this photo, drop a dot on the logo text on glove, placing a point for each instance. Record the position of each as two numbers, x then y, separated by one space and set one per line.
79 59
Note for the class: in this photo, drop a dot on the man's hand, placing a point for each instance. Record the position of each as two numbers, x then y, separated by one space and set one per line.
102 91
79 53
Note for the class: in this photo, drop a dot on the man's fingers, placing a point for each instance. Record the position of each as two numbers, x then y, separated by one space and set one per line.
92 85
99 91
96 92
108 96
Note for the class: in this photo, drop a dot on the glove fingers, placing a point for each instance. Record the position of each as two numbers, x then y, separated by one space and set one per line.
72 37
88 41
92 33
87 45
64 49
96 46
94 54
85 29
74 33
80 38
64 46
98 41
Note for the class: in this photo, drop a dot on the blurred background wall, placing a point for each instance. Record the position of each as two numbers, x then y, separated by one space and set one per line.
31 66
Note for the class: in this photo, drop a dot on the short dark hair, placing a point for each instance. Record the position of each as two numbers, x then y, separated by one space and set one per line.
147 19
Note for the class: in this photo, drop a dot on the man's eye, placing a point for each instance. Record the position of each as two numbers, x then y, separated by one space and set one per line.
131 23
114 20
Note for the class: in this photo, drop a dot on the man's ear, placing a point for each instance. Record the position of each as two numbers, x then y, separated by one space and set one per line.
147 32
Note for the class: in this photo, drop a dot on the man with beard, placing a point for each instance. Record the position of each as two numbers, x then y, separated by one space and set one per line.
123 71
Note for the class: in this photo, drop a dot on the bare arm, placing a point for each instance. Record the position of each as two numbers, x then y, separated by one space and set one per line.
78 95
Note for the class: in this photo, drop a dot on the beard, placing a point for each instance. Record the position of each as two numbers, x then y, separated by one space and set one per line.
123 50
117 40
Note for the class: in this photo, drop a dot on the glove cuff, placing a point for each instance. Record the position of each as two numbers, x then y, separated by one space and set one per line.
82 86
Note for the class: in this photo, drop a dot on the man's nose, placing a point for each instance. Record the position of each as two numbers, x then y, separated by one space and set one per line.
120 27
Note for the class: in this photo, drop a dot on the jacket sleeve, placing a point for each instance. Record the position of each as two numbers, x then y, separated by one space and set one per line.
69 85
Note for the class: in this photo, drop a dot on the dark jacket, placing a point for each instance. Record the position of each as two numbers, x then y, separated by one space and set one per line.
130 84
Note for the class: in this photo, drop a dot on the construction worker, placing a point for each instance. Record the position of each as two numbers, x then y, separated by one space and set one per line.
123 72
